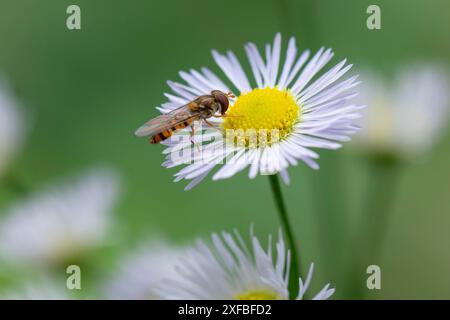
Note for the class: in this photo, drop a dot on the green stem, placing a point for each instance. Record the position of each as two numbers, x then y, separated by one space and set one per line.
286 10
330 210
309 22
381 193
307 28
295 269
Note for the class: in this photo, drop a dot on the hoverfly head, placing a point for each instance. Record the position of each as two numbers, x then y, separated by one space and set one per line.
222 99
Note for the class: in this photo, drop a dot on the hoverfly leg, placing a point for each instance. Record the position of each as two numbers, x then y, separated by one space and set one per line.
209 123
191 137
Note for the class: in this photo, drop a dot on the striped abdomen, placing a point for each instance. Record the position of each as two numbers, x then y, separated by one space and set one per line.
163 135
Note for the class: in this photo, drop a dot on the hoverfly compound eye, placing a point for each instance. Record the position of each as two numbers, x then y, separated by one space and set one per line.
222 98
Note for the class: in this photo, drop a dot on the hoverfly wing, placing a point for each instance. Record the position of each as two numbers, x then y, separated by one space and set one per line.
153 126
173 120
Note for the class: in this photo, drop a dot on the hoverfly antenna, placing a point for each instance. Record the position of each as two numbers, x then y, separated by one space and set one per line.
230 94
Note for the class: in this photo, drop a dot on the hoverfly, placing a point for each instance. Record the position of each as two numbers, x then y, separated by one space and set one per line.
202 108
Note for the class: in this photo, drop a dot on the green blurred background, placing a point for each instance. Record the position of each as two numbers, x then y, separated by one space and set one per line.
87 91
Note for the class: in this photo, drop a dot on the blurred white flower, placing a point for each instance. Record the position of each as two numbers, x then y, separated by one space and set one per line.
11 127
406 116
228 270
142 271
60 223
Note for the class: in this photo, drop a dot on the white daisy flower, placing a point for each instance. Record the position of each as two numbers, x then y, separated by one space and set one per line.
142 271
11 128
272 123
60 223
408 114
229 270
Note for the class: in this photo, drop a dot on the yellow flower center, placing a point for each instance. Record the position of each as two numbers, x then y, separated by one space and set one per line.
258 295
262 116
